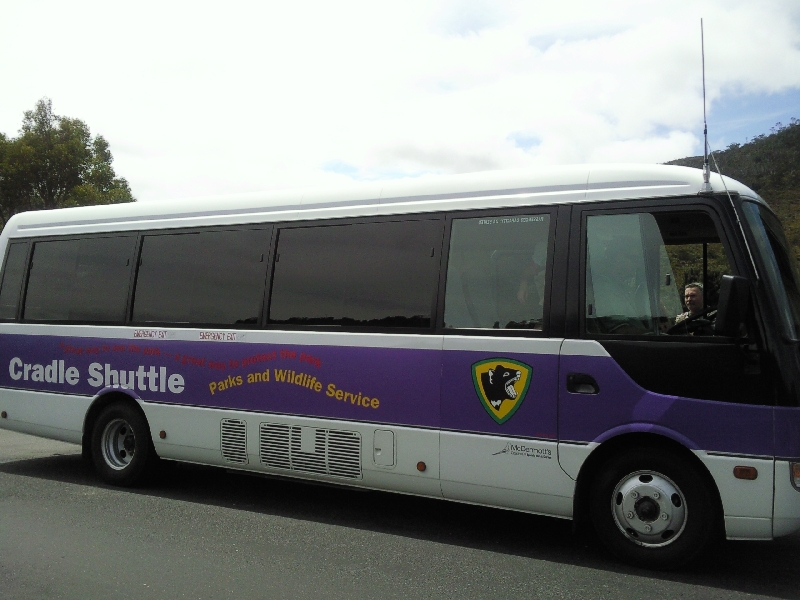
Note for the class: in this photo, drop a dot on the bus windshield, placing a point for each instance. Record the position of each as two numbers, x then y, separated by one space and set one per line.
782 272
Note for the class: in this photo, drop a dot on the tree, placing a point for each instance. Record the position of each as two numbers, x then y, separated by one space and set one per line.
55 163
770 165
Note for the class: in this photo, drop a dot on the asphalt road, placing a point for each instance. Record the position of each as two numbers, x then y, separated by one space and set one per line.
206 533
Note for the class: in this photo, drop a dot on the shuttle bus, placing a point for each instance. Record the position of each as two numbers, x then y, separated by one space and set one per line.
616 345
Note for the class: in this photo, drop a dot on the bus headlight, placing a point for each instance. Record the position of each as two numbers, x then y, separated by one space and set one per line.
795 471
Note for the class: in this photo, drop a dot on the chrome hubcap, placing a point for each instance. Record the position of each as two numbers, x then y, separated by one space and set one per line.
649 509
118 444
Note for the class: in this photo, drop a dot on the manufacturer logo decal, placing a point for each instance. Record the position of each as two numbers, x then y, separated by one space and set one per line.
501 385
527 451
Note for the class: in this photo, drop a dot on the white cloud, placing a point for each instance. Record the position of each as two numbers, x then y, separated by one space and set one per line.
199 98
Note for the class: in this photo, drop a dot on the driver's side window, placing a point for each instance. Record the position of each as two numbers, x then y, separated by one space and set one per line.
652 273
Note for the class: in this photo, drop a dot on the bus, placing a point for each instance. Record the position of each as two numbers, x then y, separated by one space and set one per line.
617 345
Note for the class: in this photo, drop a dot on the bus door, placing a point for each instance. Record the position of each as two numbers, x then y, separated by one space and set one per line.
647 359
500 371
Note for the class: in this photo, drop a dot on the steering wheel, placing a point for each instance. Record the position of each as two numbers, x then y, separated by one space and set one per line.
695 324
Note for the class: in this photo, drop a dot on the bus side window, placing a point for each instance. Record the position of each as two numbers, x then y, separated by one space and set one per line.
13 274
380 274
496 272
214 277
80 280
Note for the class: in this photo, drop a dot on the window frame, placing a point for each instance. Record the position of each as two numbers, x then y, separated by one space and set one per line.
579 231
548 321
437 216
23 281
76 237
261 226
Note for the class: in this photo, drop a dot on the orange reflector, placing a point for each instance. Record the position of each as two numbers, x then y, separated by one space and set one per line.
795 467
4 414
421 466
162 434
745 473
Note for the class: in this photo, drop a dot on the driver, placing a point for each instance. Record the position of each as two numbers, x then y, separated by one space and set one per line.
693 299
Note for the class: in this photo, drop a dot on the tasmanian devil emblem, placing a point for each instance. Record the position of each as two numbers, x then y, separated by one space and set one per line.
498 384
501 385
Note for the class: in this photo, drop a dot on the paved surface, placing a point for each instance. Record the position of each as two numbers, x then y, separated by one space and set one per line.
205 533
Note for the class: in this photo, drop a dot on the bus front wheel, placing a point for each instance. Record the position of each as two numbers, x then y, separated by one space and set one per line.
653 509
121 446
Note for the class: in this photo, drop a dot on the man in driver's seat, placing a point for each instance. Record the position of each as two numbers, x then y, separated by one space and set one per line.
693 299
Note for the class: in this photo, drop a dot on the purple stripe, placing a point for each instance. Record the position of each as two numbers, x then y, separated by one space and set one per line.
423 388
623 406
372 384
787 432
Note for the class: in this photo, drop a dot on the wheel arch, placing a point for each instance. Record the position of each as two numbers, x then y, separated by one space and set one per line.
627 442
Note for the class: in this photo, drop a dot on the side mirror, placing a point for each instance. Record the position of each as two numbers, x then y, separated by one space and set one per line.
734 301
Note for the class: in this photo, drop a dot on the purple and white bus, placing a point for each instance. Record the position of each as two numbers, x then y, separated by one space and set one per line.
514 339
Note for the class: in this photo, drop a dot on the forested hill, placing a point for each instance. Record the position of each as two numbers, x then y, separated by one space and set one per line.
770 165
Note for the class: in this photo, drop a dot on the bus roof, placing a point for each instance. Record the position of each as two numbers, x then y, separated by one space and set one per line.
547 185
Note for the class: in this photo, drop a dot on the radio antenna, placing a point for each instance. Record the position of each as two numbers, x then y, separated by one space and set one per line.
706 172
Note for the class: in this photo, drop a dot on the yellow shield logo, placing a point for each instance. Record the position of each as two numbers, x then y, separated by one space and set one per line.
501 385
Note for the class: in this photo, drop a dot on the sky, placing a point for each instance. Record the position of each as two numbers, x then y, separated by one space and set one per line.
203 98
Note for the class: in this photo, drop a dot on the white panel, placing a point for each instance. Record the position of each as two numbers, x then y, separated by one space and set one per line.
193 436
740 497
199 456
506 345
582 348
572 456
362 340
493 201
543 177
383 448
308 440
190 427
540 504
521 187
306 338
389 480
786 518
748 528
635 192
55 416
492 466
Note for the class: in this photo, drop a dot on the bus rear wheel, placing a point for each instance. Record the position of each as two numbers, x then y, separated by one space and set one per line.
121 445
653 509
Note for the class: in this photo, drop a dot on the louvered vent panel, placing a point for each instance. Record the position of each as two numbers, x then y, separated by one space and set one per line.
233 440
309 462
344 454
274 445
336 453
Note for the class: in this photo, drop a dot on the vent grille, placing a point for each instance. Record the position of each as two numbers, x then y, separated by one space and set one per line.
330 452
233 441
274 445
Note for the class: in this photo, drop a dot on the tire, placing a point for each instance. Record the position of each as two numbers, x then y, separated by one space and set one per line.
121 446
653 509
